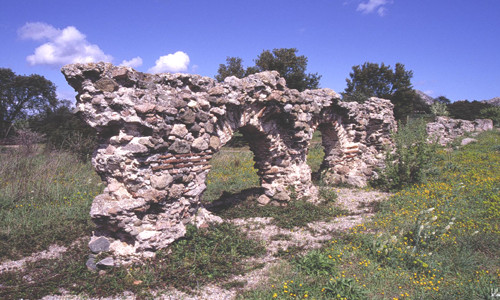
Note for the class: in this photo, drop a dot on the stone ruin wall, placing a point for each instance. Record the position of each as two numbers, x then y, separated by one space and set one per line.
157 134
444 130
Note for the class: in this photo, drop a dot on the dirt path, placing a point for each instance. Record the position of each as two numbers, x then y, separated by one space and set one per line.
54 251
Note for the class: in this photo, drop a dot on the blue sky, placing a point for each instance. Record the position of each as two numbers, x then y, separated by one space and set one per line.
452 46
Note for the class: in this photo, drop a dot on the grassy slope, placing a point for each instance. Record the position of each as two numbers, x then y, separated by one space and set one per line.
437 240
44 199
407 251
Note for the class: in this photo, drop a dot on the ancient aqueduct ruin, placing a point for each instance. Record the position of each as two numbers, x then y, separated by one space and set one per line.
158 133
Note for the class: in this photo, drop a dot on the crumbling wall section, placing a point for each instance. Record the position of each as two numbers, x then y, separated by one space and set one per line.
158 133
356 140
444 130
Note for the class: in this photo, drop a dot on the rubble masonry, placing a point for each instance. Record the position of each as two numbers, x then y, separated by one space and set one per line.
157 134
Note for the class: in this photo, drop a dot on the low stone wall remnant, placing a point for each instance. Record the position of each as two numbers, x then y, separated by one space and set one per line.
445 129
157 134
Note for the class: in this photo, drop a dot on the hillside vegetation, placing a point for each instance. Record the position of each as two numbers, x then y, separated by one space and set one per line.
437 239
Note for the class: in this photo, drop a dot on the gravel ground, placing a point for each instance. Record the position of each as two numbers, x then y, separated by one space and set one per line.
54 251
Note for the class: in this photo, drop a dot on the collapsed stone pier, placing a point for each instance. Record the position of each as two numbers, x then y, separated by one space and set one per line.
157 134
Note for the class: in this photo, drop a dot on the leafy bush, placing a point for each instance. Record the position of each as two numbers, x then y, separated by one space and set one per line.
80 143
65 131
412 159
439 109
425 233
327 193
492 113
466 110
344 288
316 262
316 153
28 140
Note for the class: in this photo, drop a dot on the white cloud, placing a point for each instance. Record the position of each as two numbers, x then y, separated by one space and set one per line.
63 46
176 62
133 63
37 31
373 6
381 11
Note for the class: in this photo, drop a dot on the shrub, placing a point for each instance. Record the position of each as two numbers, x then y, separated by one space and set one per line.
81 144
316 262
492 113
344 288
424 233
466 110
28 140
65 131
412 159
439 109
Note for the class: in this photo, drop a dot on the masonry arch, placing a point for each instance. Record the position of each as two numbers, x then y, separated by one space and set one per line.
188 119
232 177
280 167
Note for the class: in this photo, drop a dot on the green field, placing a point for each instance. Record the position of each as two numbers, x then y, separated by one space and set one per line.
438 239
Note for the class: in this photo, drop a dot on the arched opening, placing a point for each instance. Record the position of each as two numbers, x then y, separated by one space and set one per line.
316 155
233 175
325 152
331 145
260 145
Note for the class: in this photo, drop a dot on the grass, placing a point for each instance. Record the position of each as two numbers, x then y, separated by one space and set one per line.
435 240
233 176
200 257
316 152
232 171
297 213
44 199
233 168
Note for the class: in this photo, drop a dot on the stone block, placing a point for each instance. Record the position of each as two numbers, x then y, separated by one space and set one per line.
98 245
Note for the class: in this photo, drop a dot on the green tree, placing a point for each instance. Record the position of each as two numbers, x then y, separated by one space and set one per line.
290 66
22 96
467 110
374 80
284 60
370 80
233 67
63 130
443 99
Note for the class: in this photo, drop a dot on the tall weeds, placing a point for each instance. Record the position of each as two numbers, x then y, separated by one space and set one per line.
44 198
412 160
